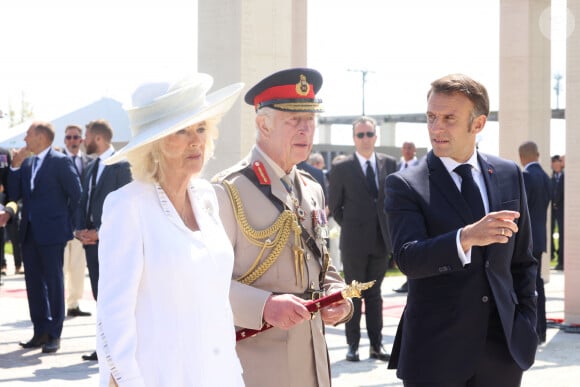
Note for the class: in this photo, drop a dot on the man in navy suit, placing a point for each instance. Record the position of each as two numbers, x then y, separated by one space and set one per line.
408 156
408 159
461 233
356 194
537 184
50 190
98 182
558 207
5 158
316 173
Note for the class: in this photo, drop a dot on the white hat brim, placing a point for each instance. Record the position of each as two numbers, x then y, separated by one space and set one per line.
216 104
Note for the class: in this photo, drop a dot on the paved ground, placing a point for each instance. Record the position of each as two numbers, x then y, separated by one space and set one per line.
557 364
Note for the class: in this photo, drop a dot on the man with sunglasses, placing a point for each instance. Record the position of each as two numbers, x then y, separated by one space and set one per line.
75 262
356 194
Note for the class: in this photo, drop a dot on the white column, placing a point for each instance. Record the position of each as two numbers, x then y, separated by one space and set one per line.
525 82
572 171
324 133
246 41
387 134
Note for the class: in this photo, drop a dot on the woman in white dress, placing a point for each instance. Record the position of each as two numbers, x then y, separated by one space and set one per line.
163 313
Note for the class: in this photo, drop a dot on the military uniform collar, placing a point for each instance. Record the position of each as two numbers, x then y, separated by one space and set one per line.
275 167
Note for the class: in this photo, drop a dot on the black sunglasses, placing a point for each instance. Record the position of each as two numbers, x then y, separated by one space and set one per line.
362 134
74 137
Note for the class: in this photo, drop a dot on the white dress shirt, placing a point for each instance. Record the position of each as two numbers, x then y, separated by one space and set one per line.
450 165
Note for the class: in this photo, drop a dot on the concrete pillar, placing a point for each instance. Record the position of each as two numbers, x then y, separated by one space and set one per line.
263 36
387 134
525 82
324 133
572 171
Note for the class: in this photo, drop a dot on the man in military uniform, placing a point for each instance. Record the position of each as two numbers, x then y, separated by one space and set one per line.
274 216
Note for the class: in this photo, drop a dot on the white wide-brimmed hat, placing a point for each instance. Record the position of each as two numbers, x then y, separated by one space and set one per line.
161 108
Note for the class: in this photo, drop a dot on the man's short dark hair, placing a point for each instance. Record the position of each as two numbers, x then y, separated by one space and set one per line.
101 128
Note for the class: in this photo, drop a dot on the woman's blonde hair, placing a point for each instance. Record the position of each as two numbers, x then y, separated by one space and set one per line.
148 161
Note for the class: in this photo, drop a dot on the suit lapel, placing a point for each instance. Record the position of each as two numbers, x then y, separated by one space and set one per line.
101 179
42 167
381 170
358 168
439 177
491 183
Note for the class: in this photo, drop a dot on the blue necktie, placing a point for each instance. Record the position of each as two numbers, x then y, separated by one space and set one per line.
370 176
470 191
35 164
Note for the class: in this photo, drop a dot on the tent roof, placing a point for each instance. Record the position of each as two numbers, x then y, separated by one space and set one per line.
105 108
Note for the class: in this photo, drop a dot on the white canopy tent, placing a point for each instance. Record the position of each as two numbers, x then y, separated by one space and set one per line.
105 108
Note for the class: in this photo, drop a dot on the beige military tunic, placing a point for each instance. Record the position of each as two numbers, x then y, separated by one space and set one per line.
296 357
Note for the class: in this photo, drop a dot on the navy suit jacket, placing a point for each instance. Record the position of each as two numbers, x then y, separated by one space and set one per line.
112 178
5 161
50 208
353 207
557 187
85 160
442 332
537 183
316 173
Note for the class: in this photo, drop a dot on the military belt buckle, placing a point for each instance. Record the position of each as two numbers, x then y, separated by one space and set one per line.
315 294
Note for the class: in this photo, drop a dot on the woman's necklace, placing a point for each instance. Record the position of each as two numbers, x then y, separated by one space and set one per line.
186 212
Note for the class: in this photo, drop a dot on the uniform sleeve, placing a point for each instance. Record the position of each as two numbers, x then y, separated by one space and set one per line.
121 262
247 301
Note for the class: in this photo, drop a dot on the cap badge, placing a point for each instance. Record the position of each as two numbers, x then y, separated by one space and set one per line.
302 87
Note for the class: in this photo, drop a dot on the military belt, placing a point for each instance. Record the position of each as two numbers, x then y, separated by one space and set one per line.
307 295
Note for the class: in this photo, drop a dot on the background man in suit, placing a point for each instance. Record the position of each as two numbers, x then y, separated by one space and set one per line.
356 194
50 190
558 208
408 156
537 184
98 182
408 159
316 173
75 262
461 233
5 161
317 160
275 198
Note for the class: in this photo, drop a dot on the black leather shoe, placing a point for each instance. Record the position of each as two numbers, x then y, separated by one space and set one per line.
379 353
51 346
77 312
91 357
352 354
403 289
35 342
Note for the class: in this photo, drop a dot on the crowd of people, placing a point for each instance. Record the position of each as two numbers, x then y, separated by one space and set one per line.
467 229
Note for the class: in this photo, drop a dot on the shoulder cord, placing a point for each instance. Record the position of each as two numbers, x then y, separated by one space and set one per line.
281 228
